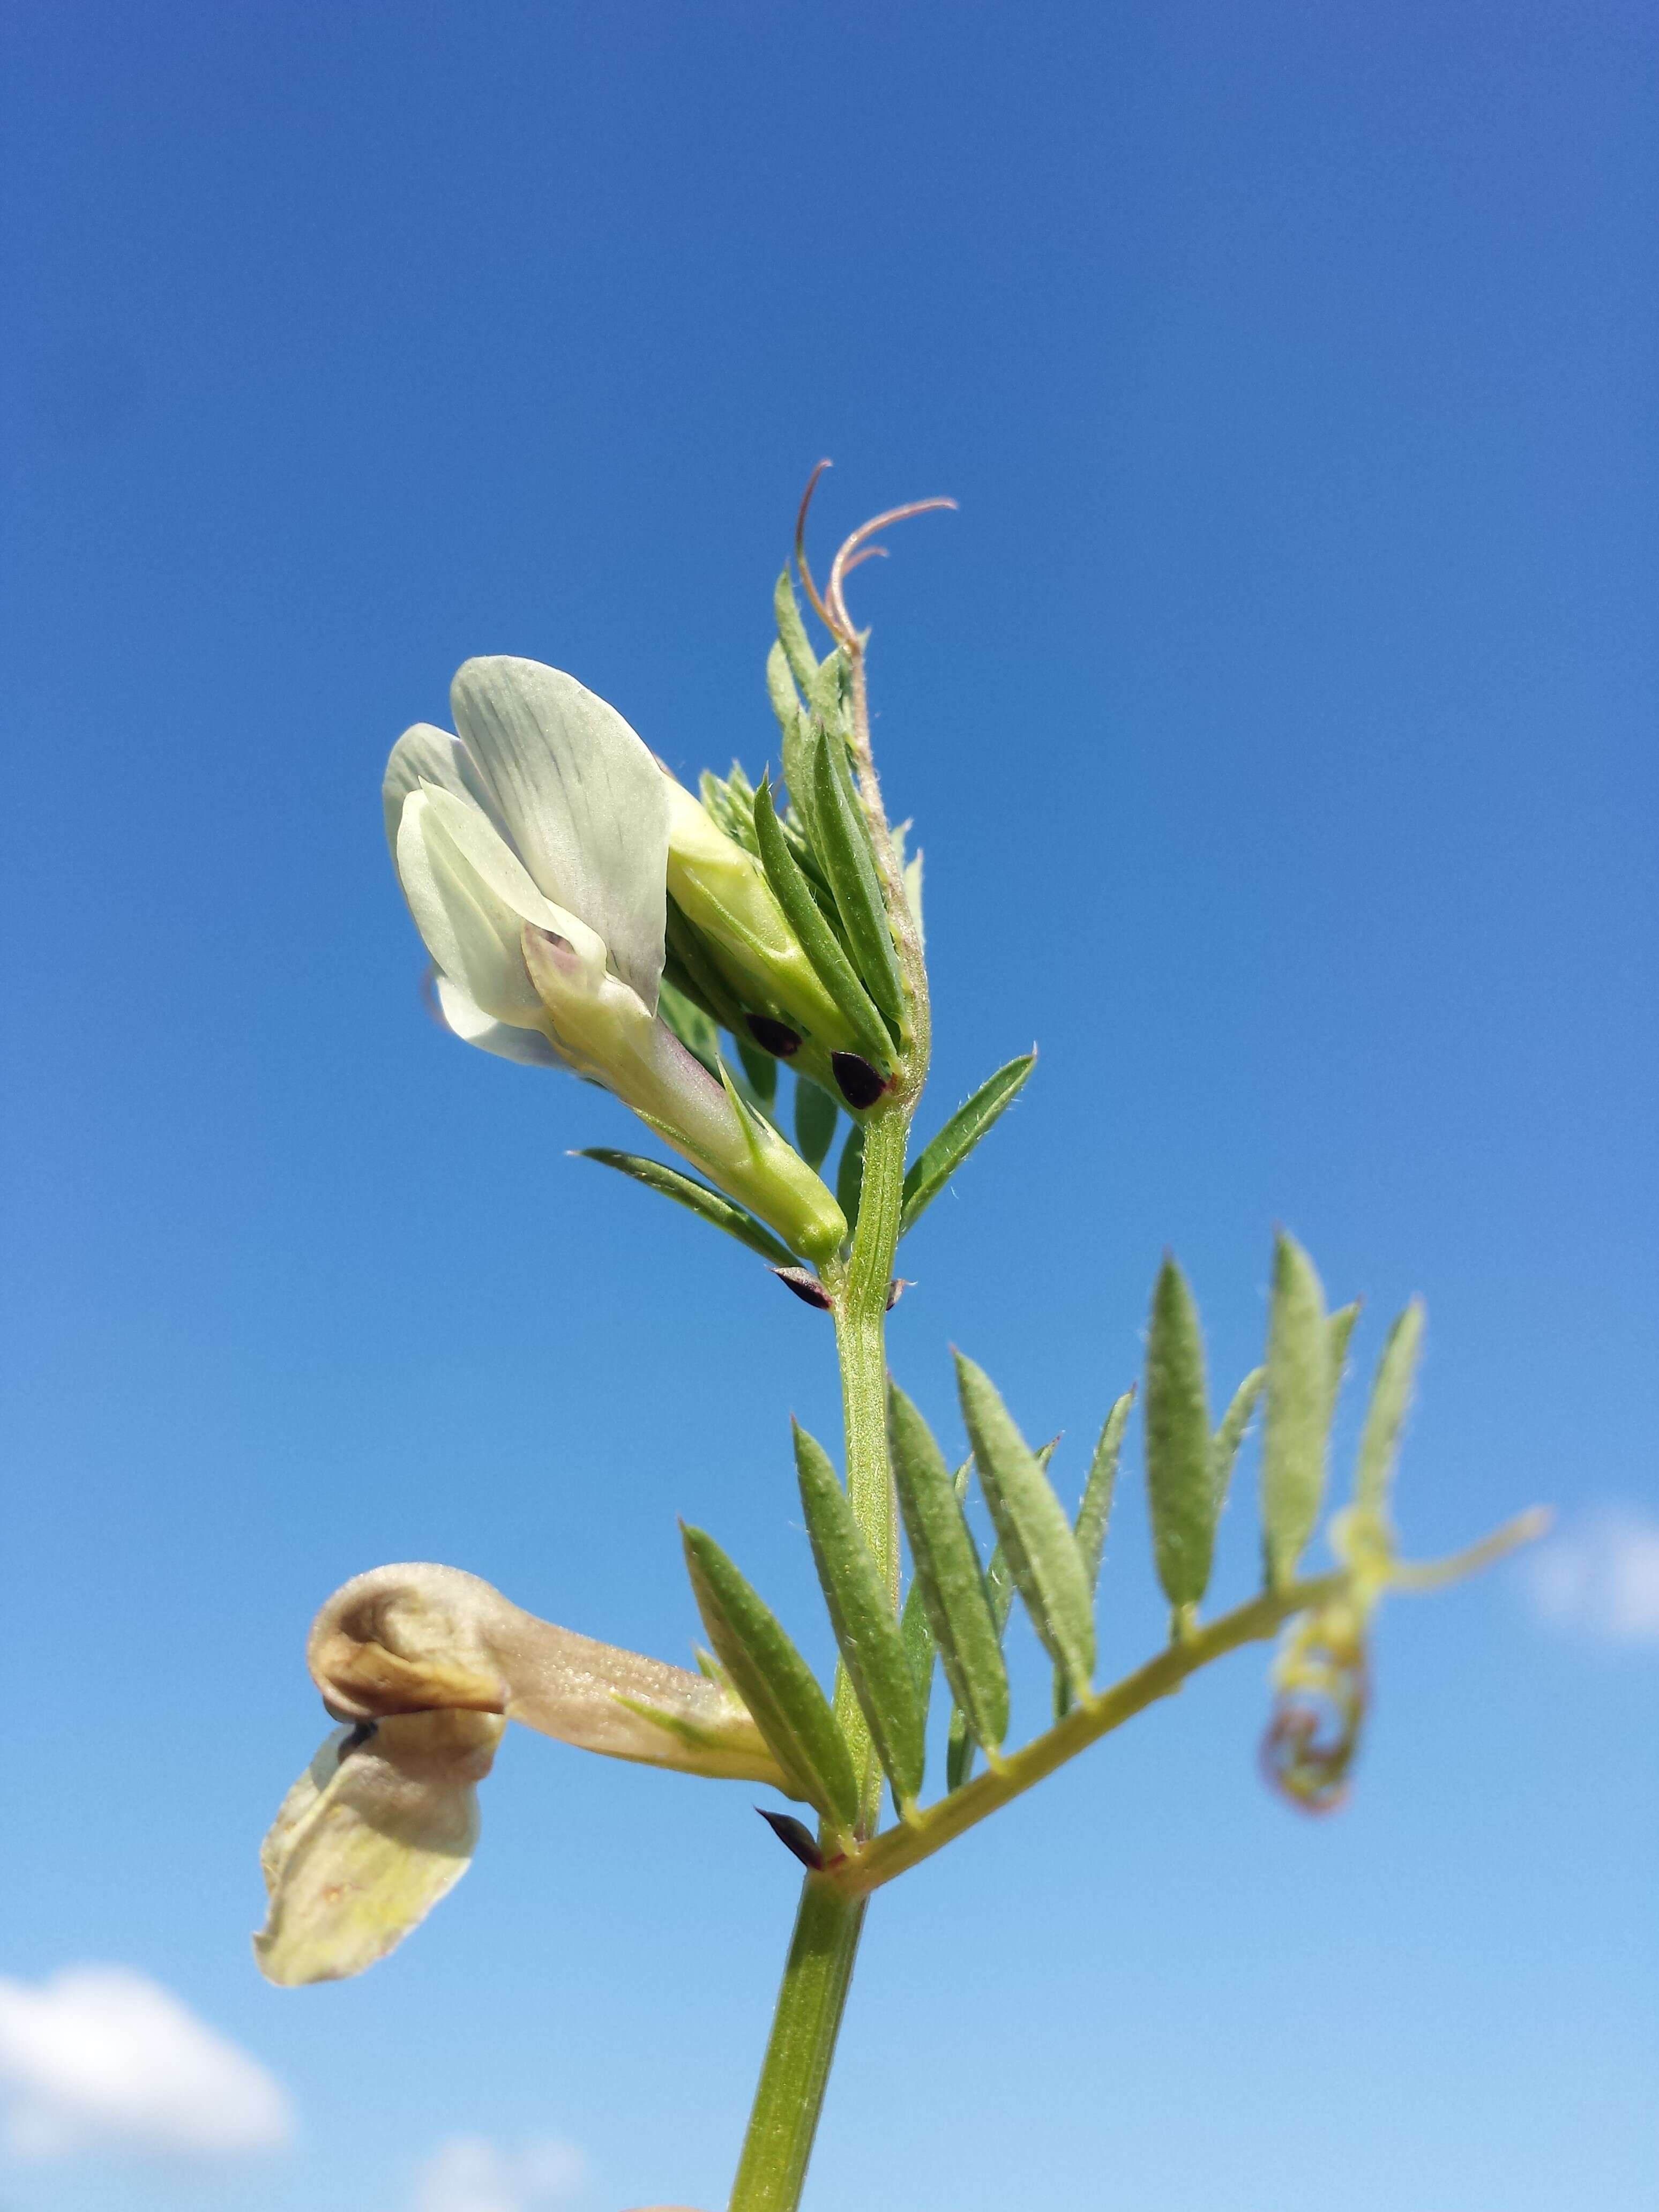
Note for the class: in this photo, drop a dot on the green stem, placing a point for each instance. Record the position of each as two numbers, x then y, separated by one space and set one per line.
819 1968
790 2097
905 1846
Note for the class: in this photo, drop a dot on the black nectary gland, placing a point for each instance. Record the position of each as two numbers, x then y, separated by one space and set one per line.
861 1084
775 1037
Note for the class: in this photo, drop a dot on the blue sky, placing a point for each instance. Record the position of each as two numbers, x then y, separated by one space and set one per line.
1277 718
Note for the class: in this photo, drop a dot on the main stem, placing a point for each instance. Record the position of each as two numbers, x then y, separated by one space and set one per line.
819 1968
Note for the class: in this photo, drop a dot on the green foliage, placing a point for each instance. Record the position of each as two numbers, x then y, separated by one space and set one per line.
1299 1407
842 840
1231 1434
1180 1485
775 1683
1036 1534
965 1632
697 1198
873 1647
817 940
1093 1513
1385 1416
939 1160
816 1116
798 653
849 1176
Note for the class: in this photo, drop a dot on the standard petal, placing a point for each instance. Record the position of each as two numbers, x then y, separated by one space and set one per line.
469 1021
426 754
380 1826
582 797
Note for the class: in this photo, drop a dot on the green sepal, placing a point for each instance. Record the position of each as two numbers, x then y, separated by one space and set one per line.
817 940
697 1198
866 1628
942 1154
849 1176
792 632
843 838
1224 1450
947 1572
1385 1416
1035 1530
775 1683
816 1116
1298 1394
1180 1491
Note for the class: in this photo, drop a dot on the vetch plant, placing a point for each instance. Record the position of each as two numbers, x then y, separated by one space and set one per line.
584 911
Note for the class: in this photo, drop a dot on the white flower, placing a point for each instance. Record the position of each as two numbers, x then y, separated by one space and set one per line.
425 1665
532 848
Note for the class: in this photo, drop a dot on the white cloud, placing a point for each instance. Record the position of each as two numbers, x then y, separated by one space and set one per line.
470 2174
1602 1577
102 2058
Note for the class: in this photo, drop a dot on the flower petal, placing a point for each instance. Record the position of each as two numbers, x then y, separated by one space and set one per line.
468 1021
470 899
426 754
380 1826
582 797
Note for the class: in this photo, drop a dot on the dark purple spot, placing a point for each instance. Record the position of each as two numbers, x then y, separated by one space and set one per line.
861 1084
775 1037
805 1286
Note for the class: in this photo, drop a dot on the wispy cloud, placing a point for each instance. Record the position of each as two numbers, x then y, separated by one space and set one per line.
102 2058
468 2174
1600 1577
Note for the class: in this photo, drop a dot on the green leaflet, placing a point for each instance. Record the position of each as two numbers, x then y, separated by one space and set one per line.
1093 1512
939 1158
849 1176
1043 1558
1231 1435
816 1114
1095 1507
842 839
1339 1329
791 632
817 940
774 1682
827 693
866 1628
781 690
801 741
1179 1487
698 1199
918 1646
947 1570
1298 1410
1385 1416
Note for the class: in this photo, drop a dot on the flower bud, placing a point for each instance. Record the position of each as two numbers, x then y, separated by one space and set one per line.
722 890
